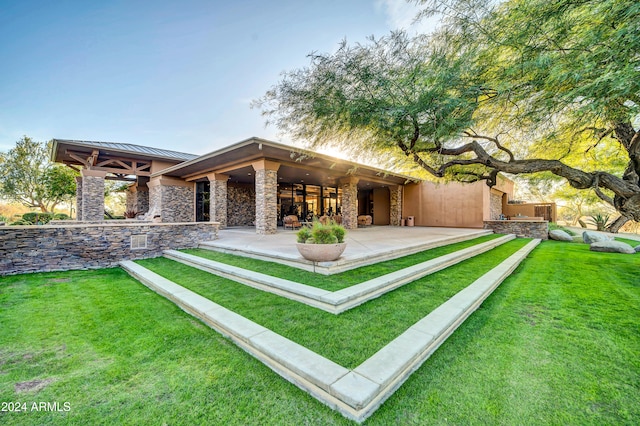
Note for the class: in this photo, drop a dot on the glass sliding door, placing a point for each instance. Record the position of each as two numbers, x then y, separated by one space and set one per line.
203 202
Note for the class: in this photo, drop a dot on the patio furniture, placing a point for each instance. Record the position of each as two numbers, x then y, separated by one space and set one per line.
291 221
365 220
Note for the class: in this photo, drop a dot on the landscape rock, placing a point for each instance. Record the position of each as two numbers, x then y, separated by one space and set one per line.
590 237
612 247
637 249
560 235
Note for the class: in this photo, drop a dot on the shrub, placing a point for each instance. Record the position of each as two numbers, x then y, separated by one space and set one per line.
323 235
303 234
37 218
20 222
330 233
338 231
61 216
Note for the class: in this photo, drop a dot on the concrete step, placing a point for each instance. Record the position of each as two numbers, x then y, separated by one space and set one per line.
355 393
341 300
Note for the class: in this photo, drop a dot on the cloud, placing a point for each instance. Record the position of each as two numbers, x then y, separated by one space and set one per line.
401 15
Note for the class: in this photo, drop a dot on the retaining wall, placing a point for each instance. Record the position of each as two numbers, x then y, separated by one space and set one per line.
521 228
87 246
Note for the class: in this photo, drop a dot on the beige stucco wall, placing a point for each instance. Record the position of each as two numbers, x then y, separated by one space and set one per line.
452 204
381 207
157 165
504 185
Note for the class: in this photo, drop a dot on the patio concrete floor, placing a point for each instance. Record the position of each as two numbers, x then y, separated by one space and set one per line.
364 245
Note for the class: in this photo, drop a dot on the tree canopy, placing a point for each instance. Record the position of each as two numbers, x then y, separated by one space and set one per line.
519 86
28 177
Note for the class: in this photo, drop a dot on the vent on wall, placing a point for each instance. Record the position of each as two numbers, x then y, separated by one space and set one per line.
138 242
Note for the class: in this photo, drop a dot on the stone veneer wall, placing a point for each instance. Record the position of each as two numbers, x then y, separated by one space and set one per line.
395 207
92 198
178 204
266 201
495 205
528 229
350 204
172 203
142 201
60 248
155 202
218 203
241 205
138 200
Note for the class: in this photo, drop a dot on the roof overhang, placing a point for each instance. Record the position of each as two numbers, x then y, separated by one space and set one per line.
116 158
295 165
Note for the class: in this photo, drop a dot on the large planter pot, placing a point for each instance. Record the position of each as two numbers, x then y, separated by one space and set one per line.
321 252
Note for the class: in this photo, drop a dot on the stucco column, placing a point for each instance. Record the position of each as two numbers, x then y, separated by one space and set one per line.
79 198
266 196
218 198
92 195
171 199
349 187
395 201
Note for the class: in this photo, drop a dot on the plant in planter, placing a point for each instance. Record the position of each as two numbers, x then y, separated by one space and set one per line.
321 243
600 221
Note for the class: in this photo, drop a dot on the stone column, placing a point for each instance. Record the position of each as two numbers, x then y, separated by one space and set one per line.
395 201
131 204
172 199
218 198
92 195
142 195
79 198
266 196
349 187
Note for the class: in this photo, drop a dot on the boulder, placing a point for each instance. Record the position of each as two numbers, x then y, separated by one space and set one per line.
612 247
560 235
637 249
590 237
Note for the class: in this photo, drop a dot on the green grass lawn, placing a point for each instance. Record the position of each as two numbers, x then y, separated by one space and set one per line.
353 336
557 343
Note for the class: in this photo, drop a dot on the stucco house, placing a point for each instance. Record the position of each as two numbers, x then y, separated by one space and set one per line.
257 182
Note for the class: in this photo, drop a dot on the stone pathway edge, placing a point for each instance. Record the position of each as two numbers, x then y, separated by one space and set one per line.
358 393
342 300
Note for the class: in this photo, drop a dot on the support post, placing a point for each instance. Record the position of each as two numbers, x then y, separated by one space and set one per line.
92 195
266 196
218 198
349 187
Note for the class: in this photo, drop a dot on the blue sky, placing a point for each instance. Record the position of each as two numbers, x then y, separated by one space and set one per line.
170 74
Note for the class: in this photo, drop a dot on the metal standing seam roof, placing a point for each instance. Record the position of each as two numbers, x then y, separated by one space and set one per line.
133 149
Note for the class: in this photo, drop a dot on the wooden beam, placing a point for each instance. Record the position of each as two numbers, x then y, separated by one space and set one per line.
93 158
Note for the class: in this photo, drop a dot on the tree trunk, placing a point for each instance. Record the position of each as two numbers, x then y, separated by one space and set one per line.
617 224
